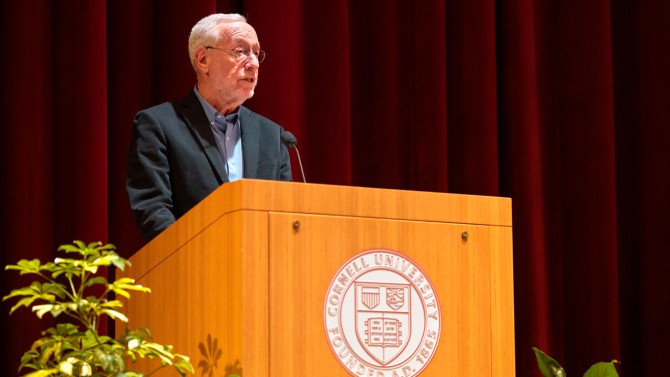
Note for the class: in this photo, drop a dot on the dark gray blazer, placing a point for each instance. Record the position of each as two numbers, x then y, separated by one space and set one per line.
174 163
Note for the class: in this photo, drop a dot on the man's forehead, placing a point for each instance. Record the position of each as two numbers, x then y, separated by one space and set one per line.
238 32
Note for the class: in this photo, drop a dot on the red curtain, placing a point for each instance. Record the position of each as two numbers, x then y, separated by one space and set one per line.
561 106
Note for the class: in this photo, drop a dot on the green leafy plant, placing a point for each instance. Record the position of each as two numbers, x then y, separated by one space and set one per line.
551 368
72 288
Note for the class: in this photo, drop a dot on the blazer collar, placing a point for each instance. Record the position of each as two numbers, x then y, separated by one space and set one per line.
194 116
249 127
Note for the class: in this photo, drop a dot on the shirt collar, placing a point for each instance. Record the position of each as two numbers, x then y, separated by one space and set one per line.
211 112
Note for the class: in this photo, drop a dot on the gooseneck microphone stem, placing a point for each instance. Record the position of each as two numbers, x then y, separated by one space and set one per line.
290 141
302 171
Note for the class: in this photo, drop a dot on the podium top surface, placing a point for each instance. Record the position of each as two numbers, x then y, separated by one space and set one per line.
333 200
324 200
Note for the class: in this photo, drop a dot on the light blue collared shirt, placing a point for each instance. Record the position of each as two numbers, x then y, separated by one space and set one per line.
229 144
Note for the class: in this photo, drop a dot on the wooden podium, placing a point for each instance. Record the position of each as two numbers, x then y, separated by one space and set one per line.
253 277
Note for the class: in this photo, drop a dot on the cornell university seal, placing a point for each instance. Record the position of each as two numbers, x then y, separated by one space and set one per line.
382 316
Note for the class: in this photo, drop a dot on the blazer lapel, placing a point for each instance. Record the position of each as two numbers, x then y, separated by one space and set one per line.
250 142
195 118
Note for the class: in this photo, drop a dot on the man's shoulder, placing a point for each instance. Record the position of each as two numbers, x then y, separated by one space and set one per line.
171 108
159 111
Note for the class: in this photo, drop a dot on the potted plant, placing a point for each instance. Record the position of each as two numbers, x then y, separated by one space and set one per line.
551 368
71 289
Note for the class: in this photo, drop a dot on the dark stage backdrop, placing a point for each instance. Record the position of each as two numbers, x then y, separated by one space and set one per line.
560 105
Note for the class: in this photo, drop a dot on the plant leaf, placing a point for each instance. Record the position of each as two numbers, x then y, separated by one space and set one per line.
115 315
40 310
183 365
34 289
548 366
26 266
23 302
43 373
602 369
96 280
112 304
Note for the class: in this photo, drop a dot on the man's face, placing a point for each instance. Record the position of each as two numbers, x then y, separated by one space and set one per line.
234 80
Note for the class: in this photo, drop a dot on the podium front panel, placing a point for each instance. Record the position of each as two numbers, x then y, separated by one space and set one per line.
306 252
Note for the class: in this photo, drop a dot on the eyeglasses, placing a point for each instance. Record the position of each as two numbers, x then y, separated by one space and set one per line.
241 54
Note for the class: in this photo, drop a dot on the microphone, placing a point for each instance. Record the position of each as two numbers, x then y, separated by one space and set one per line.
290 141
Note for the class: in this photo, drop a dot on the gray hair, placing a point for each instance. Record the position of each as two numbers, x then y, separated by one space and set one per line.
206 32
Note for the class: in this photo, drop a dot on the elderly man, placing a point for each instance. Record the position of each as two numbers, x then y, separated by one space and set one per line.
183 150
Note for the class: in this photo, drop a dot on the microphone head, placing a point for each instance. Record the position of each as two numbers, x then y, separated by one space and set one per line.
288 139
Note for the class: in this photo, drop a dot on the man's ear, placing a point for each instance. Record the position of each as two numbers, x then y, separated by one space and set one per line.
201 60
